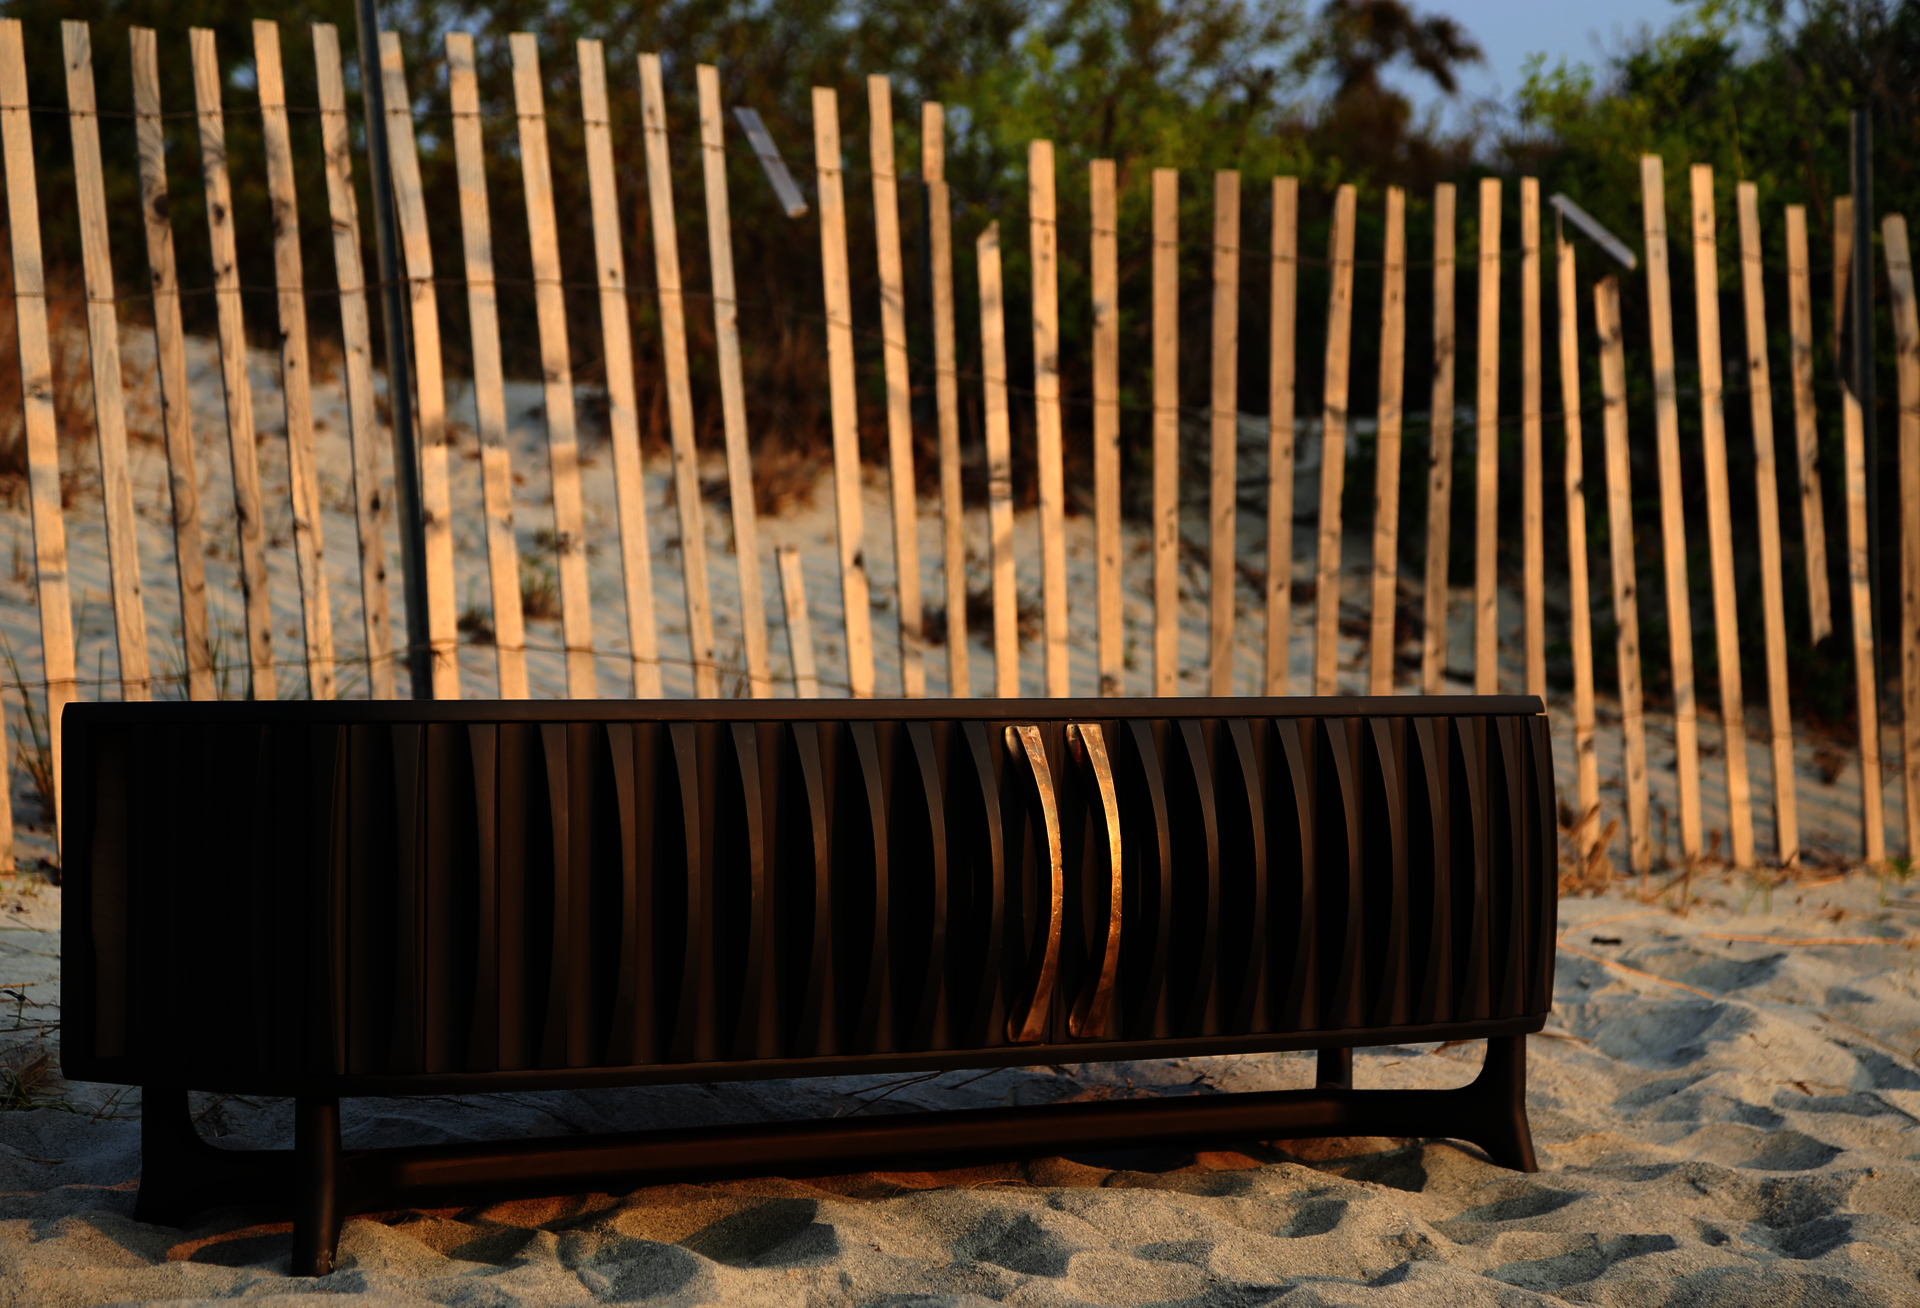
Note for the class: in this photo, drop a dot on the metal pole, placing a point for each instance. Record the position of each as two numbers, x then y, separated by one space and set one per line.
1861 296
393 315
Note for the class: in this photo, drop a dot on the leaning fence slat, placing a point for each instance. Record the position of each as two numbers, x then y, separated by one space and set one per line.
233 364
1386 479
1284 290
893 334
429 380
793 596
1767 489
1486 412
303 476
1044 246
1333 446
36 392
1842 264
1626 588
1713 433
1166 431
369 504
1533 476
623 409
489 387
1673 528
1224 420
1106 423
1866 693
563 442
1813 516
733 395
1579 596
850 519
103 339
1433 612
993 369
1906 331
946 389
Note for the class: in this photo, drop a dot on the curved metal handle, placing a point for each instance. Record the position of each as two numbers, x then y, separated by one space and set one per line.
1090 1012
1025 742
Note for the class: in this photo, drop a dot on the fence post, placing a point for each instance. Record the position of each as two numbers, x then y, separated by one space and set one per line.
946 388
1486 413
1806 435
1533 474
1579 597
1044 245
1223 415
1106 423
1386 481
1333 446
1166 431
1433 617
1906 331
1866 690
893 344
993 368
1280 434
1626 588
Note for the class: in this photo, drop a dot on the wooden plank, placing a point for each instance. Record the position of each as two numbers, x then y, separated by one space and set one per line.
170 359
1333 446
556 367
1866 697
36 395
1283 293
1386 480
1106 424
489 386
1842 267
1166 431
109 399
1533 472
893 337
733 392
1433 612
623 407
1579 595
850 519
946 389
1223 413
1906 331
793 594
993 369
1044 251
1626 587
1813 514
1713 432
429 380
369 503
1486 413
1766 480
303 476
1673 528
233 364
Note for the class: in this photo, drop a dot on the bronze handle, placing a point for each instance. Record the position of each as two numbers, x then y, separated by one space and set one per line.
1025 742
1096 1000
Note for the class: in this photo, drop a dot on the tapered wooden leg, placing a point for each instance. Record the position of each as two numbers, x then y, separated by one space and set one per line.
1502 1128
318 1201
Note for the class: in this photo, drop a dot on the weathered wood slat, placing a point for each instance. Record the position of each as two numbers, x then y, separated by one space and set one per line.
1813 514
1386 479
793 595
1533 471
1866 693
36 394
489 385
1333 446
233 364
850 518
1223 414
369 503
1626 589
946 390
1044 250
893 335
556 368
1673 527
1906 331
1486 413
623 408
1713 432
1579 594
303 475
993 369
1842 264
429 377
1281 344
1433 613
1106 424
1767 490
1166 431
103 340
